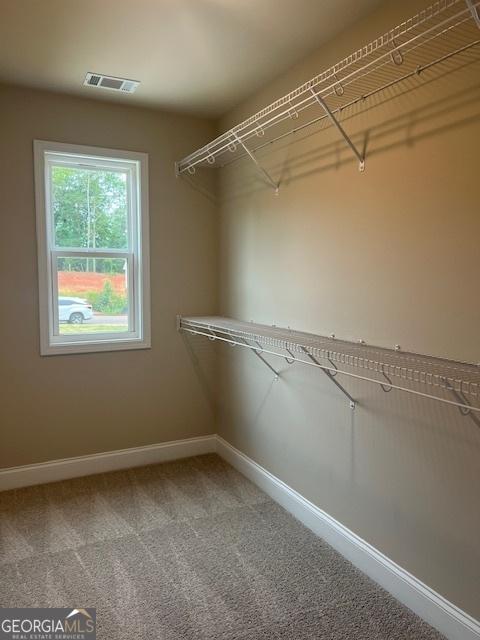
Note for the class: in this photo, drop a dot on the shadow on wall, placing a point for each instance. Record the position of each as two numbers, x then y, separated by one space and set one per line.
203 356
201 182
445 101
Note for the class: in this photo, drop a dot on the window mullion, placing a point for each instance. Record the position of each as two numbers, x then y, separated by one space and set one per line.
91 253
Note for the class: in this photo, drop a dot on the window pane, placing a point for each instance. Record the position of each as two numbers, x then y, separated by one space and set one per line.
89 208
92 295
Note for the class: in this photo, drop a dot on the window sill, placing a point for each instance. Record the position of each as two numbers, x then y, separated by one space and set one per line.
99 346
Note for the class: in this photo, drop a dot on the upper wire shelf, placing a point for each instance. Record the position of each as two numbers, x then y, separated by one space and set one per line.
433 37
448 381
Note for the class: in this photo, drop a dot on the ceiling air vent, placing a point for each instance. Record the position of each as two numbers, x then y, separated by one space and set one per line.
110 82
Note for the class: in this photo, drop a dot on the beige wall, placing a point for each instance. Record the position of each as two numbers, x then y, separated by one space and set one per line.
390 256
62 406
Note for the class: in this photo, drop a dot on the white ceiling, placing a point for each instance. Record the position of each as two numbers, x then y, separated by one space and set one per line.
199 56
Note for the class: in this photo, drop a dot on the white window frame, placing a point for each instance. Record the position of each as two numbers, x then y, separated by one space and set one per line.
137 256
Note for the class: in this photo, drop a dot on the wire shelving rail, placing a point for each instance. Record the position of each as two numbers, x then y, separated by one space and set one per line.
445 30
448 381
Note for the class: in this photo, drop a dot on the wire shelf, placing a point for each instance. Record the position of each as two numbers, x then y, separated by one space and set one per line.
449 381
442 31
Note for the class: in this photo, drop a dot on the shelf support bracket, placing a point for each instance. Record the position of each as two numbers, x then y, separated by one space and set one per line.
386 387
258 353
474 11
325 107
461 398
353 402
261 170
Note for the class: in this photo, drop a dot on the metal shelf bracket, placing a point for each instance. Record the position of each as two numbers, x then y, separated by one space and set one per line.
260 169
458 395
353 402
326 108
386 388
474 11
258 353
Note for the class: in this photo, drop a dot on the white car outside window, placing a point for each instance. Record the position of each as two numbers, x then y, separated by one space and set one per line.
74 310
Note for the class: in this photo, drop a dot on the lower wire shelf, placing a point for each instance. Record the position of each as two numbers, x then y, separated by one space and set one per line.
448 381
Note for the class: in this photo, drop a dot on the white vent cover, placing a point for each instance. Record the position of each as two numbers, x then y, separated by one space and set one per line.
110 82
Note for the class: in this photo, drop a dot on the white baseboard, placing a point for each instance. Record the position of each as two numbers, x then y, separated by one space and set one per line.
454 623
15 477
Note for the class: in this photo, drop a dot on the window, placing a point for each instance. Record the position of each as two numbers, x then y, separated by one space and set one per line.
92 227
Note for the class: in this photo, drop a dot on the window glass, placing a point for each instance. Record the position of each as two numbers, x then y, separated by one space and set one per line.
89 208
92 296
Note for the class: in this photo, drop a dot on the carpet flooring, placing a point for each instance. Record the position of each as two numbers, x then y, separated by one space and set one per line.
186 550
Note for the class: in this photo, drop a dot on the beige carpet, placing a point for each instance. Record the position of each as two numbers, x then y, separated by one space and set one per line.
186 550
